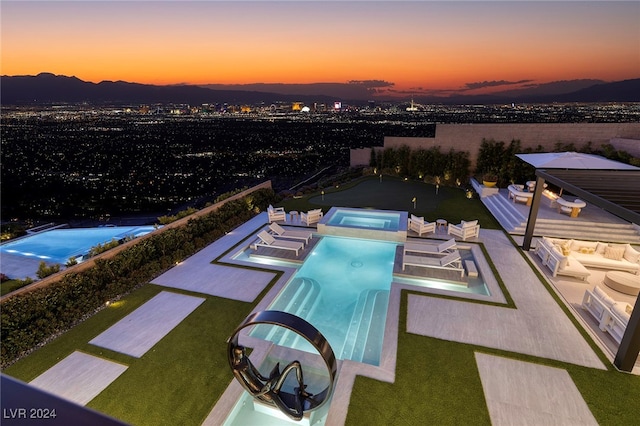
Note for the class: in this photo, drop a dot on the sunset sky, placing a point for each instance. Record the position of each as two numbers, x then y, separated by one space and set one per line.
418 47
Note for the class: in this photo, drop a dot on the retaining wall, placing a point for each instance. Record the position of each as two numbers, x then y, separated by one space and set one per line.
468 137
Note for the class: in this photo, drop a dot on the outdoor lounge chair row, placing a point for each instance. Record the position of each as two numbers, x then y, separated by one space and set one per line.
265 239
612 316
278 214
283 239
294 234
464 230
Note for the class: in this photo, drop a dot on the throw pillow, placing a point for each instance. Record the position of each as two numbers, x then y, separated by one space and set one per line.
577 245
631 254
614 253
601 247
469 224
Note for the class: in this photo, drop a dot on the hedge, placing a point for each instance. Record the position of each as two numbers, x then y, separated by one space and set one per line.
31 319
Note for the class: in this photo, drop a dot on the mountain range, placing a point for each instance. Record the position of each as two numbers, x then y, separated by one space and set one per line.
47 88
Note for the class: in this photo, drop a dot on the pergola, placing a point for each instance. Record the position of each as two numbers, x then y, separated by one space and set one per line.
612 187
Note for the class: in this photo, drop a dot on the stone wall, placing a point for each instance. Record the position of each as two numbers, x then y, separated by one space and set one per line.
468 137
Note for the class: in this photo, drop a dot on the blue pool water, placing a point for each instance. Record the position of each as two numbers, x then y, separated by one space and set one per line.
58 245
359 218
343 290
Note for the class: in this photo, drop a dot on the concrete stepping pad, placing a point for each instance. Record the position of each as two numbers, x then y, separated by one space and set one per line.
79 377
139 331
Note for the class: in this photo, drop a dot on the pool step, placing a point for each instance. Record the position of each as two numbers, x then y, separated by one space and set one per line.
369 318
299 298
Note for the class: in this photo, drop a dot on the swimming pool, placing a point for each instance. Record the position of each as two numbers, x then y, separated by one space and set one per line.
343 290
361 223
59 245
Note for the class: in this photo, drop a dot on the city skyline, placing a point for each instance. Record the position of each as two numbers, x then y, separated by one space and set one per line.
391 47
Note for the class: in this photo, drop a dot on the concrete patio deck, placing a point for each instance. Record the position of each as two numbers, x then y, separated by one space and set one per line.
537 326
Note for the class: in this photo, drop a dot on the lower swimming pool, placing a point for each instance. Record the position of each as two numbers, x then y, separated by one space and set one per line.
343 290
58 245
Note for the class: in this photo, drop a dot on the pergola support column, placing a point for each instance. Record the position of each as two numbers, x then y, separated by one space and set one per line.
533 213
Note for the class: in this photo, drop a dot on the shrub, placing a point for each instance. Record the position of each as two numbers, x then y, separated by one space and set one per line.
30 319
45 271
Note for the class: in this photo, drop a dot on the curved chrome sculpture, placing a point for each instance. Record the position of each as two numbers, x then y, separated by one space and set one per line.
268 389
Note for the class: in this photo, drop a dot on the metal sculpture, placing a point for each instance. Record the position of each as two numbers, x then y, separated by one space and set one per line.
268 389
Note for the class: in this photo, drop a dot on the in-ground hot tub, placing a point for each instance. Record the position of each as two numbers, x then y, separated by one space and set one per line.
386 225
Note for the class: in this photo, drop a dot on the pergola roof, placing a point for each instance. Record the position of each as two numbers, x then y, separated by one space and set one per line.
617 191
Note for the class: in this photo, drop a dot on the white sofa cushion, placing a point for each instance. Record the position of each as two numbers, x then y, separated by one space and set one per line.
604 297
577 245
631 254
619 310
597 261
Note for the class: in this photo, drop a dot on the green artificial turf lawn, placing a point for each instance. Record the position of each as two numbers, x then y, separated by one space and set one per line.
397 194
437 382
177 382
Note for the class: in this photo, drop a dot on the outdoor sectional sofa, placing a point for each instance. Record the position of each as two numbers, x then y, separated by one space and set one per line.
612 317
571 257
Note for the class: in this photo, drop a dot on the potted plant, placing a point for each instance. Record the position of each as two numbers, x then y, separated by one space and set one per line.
489 179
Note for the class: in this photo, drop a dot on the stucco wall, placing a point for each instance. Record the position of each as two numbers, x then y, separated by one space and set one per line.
632 146
468 137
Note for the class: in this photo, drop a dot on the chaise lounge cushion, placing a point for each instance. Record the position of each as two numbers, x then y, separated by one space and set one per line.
469 224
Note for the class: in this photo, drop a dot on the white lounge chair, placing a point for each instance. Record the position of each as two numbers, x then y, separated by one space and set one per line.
276 213
451 261
311 217
417 224
518 193
441 249
267 240
292 234
464 230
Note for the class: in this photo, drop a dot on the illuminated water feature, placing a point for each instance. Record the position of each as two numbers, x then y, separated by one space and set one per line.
59 245
343 290
386 225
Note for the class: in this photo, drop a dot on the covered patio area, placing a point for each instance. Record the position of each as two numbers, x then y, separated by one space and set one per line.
612 186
